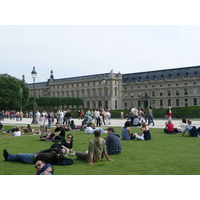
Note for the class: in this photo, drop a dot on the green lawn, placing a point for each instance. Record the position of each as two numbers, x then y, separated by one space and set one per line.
163 155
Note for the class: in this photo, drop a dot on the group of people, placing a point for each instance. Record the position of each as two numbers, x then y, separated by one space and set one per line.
12 114
184 127
138 116
99 116
144 133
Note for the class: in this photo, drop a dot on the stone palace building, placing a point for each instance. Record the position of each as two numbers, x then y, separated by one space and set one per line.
178 87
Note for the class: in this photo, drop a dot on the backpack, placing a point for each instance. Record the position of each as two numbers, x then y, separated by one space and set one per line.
66 161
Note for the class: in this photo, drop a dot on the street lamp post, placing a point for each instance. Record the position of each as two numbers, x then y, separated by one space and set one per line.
20 98
104 82
34 75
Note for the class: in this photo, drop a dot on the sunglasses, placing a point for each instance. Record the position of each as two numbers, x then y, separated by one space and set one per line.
69 137
38 165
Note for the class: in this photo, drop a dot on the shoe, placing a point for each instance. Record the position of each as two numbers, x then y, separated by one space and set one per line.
5 154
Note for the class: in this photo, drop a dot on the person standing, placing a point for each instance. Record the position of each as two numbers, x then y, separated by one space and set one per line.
150 116
107 117
50 118
169 113
97 117
68 116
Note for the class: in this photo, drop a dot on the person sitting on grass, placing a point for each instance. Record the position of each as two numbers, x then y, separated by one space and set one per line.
144 133
90 129
96 150
43 168
191 130
57 134
126 131
28 129
169 127
113 142
182 125
17 132
45 133
136 122
1 126
66 145
72 125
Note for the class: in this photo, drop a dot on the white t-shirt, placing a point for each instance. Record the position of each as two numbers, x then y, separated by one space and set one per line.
17 133
89 130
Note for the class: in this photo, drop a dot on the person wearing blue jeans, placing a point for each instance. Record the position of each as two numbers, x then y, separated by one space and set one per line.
22 157
52 156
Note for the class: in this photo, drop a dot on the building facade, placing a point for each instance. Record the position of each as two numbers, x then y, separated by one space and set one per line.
177 87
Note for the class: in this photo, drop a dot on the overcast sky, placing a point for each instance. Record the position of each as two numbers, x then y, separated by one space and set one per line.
76 50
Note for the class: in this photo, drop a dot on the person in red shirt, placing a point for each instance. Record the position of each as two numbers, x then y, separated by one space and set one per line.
169 127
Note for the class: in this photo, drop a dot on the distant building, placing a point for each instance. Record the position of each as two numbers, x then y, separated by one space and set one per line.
177 87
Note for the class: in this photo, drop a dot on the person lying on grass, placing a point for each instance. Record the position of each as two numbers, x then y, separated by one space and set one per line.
90 129
144 133
96 150
12 130
52 156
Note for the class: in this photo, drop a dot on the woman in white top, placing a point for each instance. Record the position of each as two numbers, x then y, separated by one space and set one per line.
17 132
182 125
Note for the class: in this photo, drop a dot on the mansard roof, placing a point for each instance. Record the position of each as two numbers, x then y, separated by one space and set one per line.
184 72
41 84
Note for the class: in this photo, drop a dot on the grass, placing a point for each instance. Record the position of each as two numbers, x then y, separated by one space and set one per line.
163 155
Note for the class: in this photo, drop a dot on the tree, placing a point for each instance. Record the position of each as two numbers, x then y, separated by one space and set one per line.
10 93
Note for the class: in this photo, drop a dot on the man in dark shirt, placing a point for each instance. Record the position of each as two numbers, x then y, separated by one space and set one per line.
52 156
58 133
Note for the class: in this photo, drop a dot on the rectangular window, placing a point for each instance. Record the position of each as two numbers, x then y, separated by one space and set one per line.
186 91
153 103
139 103
195 91
153 94
125 105
186 102
169 102
177 92
169 93
115 104
161 102
132 94
195 101
132 103
177 102
138 94
161 92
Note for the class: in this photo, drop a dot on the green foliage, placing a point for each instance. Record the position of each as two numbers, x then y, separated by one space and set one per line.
47 102
184 112
163 155
10 93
